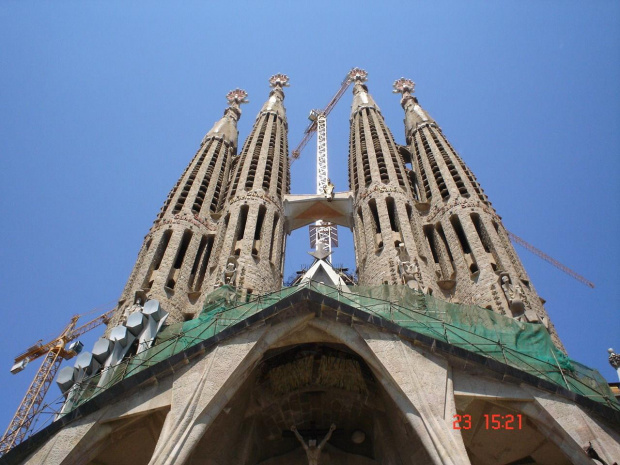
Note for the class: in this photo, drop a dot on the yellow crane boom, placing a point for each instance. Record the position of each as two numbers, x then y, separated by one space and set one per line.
55 351
517 240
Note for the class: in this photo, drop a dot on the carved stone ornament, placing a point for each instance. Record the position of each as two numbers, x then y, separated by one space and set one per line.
403 86
614 359
514 295
237 96
279 80
409 271
358 75
230 271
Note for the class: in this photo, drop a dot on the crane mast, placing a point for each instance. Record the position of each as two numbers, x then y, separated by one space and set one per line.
323 231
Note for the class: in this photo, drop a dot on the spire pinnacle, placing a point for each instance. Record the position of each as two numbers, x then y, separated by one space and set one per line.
404 86
276 96
237 97
358 75
278 81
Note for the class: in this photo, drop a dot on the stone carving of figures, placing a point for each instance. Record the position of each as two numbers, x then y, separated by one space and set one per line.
135 307
328 190
409 271
230 272
313 452
514 295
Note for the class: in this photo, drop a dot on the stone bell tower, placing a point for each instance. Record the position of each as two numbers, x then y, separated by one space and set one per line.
472 259
250 249
385 223
173 262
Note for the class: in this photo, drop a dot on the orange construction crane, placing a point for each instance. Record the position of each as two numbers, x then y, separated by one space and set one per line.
311 129
54 351
517 240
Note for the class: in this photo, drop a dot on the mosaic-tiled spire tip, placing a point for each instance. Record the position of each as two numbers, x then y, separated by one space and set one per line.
403 86
358 75
279 80
237 96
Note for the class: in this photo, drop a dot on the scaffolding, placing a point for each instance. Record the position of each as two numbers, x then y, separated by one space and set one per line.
525 346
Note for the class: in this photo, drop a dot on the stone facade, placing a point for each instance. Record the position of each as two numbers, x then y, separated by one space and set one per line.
393 400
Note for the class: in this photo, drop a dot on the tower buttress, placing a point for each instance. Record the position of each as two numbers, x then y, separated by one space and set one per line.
173 261
386 223
251 238
466 236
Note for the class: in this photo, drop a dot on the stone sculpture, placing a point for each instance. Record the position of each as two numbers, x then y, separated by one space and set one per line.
313 452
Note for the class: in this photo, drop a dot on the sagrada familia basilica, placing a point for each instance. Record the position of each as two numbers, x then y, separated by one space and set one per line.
438 351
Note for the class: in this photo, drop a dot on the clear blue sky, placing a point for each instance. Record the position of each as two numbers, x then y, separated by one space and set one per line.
103 105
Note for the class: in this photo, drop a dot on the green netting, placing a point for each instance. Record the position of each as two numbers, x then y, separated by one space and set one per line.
525 346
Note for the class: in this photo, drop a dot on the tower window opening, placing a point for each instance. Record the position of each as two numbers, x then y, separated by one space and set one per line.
442 235
187 237
458 229
409 211
161 249
430 237
375 215
201 248
391 208
421 170
377 224
363 150
276 219
269 163
396 157
441 185
249 183
482 233
259 222
243 218
449 163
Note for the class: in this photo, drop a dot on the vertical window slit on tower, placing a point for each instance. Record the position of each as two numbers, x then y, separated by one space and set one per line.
353 177
243 217
190 180
204 261
215 199
482 234
391 208
441 185
376 143
201 248
364 150
270 157
430 237
397 160
259 222
276 219
187 237
202 191
458 229
444 240
377 224
422 171
375 215
161 249
282 159
449 163
249 183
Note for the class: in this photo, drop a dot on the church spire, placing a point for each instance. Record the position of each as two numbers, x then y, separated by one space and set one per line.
251 232
385 223
175 255
472 256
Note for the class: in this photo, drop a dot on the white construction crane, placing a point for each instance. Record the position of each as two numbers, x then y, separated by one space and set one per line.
324 235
